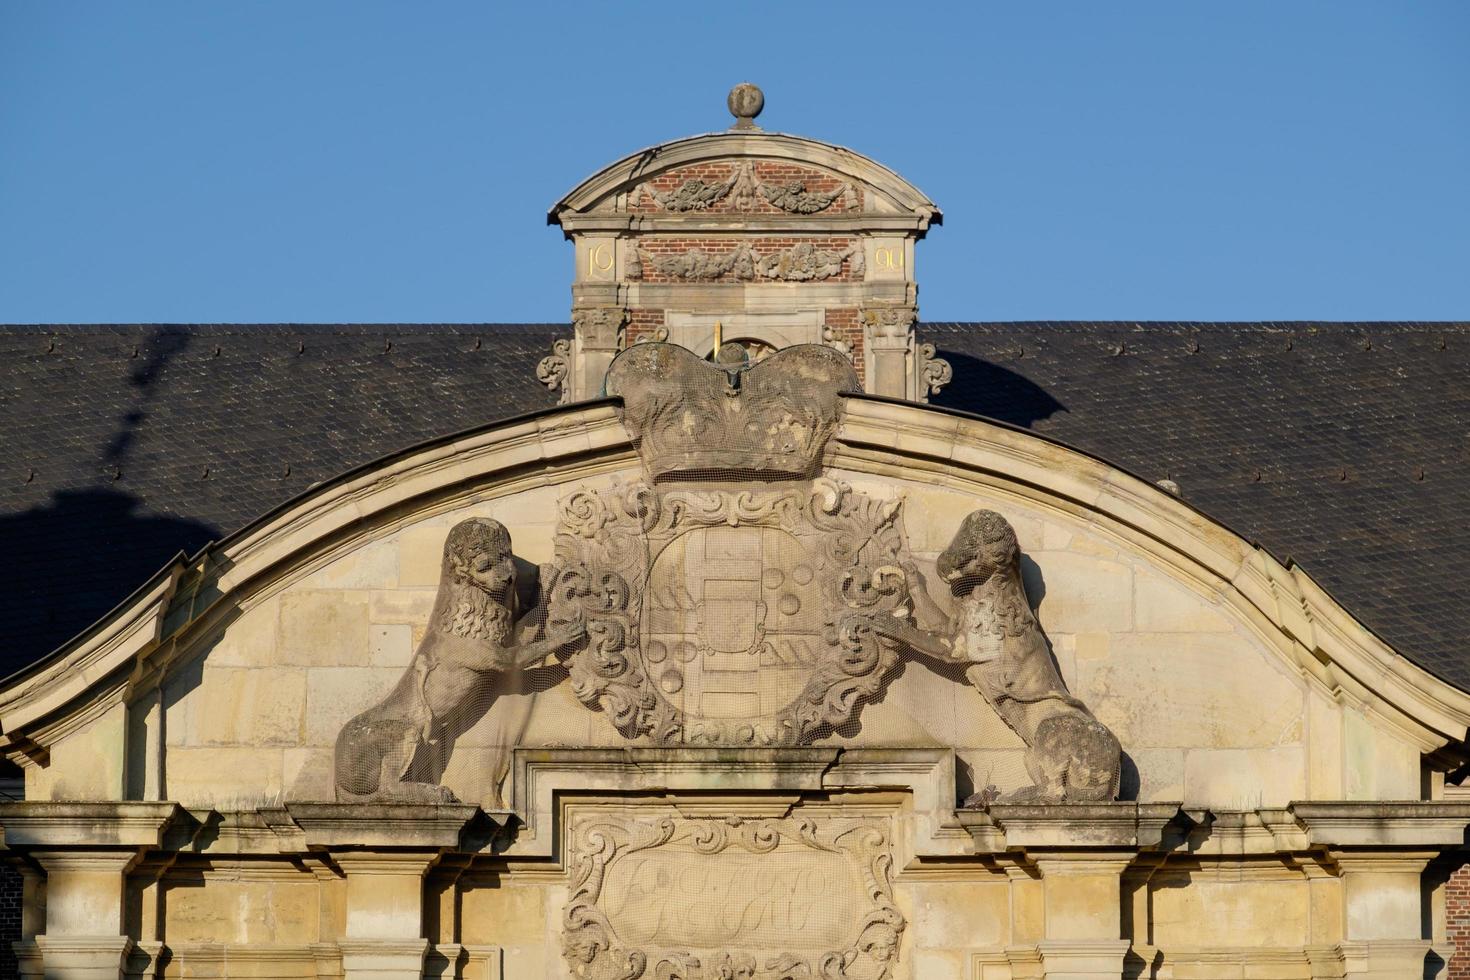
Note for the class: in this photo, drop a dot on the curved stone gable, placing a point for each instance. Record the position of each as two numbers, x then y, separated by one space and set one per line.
1263 732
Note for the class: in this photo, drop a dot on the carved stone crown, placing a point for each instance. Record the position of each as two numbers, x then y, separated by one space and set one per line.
691 419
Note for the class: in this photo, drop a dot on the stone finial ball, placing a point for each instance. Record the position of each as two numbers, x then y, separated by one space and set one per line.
746 101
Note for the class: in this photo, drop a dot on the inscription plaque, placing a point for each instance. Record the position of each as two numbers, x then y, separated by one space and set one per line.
764 899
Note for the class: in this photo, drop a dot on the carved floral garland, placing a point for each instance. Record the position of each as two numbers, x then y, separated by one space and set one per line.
791 196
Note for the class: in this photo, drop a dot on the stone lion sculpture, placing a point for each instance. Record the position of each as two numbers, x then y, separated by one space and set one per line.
387 753
1070 755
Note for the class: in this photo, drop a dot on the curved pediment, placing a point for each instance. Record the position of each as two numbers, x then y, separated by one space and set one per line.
688 177
245 664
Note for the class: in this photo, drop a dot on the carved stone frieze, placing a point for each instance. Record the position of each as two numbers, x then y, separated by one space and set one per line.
803 262
691 195
793 197
794 898
553 369
698 265
745 190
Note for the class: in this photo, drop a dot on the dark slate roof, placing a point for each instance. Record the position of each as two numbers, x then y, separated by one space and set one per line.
121 446
1343 446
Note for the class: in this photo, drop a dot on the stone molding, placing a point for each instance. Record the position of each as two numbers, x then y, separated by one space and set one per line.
837 849
118 825
910 206
125 654
382 825
736 779
720 797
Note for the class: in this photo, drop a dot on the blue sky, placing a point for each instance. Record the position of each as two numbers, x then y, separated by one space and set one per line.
370 161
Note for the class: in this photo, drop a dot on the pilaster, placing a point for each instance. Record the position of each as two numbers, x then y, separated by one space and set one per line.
86 851
1380 851
385 852
888 339
1080 853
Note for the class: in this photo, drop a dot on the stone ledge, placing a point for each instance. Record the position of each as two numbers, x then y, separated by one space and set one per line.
87 825
766 777
388 826
1373 824
1069 826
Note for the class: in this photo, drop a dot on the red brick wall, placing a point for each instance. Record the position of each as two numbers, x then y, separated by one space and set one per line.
1457 922
642 325
10 899
845 326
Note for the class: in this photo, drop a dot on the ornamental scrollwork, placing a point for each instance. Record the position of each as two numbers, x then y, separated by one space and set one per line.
673 898
934 371
553 369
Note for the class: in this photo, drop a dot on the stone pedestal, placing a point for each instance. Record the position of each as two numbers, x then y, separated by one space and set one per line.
383 959
1082 959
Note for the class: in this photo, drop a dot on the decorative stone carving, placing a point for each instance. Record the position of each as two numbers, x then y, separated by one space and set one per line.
600 327
745 102
767 420
793 197
795 898
834 340
396 750
692 195
553 369
715 616
697 265
934 372
728 616
1071 756
803 262
889 322
745 190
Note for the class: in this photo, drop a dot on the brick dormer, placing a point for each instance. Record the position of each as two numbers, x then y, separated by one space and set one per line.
762 239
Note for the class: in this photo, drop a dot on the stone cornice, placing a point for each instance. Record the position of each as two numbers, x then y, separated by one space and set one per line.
125 825
1383 826
381 826
898 193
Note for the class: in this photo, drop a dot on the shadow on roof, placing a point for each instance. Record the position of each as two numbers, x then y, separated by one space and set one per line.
70 561
987 389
